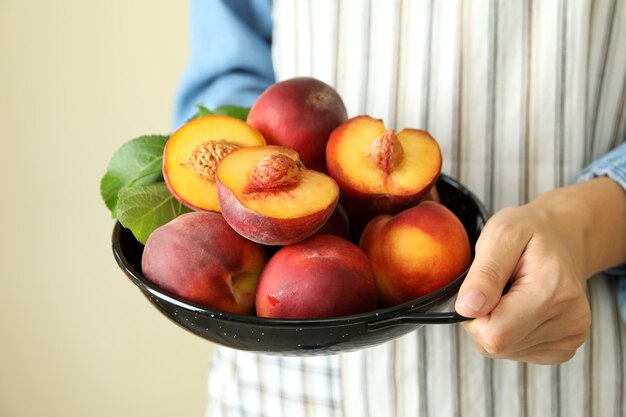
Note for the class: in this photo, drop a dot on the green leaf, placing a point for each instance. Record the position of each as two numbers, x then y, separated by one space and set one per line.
153 171
144 208
232 111
137 162
202 111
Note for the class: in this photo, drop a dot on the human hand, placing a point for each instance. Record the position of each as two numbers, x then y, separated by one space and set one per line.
547 249
545 316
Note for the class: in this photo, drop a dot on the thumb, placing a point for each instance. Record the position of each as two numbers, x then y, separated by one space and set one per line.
498 251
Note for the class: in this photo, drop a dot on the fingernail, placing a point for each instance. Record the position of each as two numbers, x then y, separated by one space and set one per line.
472 299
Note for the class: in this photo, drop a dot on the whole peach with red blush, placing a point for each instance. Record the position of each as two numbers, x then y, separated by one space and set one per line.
200 258
415 252
299 113
323 276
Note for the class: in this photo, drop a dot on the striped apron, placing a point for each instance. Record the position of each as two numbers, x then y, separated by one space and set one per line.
520 95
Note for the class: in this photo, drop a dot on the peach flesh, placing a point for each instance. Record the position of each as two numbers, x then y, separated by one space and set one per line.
269 230
267 196
193 152
380 171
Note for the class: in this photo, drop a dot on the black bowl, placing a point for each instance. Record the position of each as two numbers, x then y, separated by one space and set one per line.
310 337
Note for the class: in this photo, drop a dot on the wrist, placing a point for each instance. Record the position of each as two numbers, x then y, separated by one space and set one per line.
592 217
571 218
606 238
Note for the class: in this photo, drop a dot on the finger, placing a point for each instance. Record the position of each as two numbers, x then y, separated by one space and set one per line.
511 321
544 353
547 357
523 349
498 251
525 317
549 331
574 332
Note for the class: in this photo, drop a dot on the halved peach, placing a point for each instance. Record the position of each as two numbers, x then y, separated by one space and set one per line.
267 195
192 153
379 170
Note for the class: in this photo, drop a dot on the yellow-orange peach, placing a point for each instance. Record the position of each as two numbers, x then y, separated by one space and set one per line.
267 195
378 170
192 153
416 251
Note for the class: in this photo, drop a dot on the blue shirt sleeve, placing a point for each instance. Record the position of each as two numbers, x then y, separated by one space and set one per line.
612 165
230 59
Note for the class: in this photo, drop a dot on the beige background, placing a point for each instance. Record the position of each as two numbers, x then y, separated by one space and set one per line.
77 80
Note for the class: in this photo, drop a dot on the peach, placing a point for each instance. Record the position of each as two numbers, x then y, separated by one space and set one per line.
338 224
200 258
416 251
323 276
299 113
380 171
192 153
267 195
432 195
